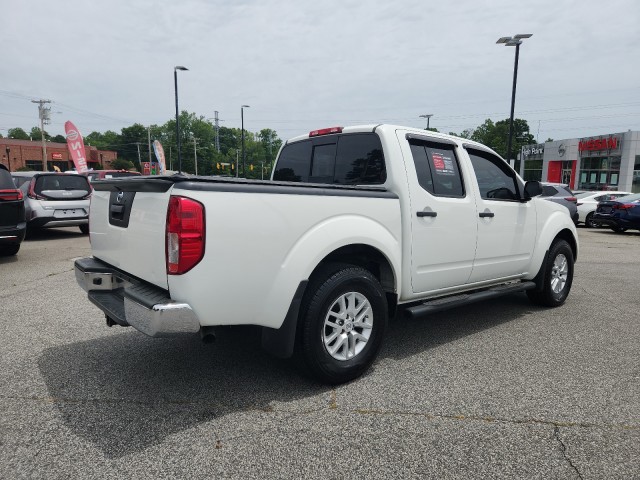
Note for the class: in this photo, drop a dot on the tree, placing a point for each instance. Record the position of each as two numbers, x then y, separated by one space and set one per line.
36 134
59 139
122 164
496 135
17 133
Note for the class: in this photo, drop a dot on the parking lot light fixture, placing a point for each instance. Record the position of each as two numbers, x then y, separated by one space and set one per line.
428 117
514 41
175 81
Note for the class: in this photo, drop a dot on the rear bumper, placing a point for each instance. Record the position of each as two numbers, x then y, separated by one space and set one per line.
130 301
13 235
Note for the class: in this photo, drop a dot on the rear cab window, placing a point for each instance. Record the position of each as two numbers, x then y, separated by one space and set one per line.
344 159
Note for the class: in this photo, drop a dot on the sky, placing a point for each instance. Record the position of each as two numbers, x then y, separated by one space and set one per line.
303 65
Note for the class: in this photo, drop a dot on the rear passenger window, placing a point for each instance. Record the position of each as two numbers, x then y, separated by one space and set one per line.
360 160
437 168
350 159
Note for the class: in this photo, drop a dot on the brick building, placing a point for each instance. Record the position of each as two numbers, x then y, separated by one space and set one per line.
15 154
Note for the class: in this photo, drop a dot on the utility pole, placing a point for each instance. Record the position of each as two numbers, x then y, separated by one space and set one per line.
195 157
44 115
149 141
217 128
139 159
237 153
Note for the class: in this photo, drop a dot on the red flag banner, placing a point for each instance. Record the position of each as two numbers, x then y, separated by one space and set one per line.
75 144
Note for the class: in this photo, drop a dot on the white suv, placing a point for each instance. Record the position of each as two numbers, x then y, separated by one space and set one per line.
55 199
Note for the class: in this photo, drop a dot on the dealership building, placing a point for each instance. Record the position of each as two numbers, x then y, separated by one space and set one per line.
16 154
605 162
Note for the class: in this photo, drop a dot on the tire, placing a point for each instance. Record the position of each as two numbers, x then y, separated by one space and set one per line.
618 229
343 321
84 229
589 223
556 276
9 250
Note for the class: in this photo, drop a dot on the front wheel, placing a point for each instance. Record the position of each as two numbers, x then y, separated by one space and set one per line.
557 276
344 317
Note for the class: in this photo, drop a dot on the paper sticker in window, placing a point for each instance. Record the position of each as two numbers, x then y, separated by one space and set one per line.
442 164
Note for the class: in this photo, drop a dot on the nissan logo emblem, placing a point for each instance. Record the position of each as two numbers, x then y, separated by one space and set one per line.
562 150
119 197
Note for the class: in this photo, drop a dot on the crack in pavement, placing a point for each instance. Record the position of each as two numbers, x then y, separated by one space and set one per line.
332 405
33 283
563 448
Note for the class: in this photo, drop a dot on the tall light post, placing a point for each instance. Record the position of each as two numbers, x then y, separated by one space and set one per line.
514 41
8 150
175 81
428 117
242 107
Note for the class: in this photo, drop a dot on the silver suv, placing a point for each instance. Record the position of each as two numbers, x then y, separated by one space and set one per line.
55 199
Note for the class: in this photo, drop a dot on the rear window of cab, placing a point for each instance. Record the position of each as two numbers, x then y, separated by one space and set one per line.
347 159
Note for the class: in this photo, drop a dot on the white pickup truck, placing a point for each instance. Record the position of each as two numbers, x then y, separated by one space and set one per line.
355 225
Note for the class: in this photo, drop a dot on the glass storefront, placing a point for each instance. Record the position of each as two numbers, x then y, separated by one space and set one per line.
532 170
599 173
635 186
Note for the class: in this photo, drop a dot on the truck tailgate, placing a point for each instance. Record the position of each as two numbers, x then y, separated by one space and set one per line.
127 225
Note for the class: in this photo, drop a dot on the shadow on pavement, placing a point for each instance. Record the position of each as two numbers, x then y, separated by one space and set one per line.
40 234
127 392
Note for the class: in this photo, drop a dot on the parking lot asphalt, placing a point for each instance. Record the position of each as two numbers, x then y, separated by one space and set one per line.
499 389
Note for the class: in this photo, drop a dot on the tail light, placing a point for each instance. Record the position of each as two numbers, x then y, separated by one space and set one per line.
11 195
623 206
571 199
185 234
32 191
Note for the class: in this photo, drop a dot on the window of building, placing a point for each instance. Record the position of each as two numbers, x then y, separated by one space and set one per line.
437 168
33 164
635 184
599 173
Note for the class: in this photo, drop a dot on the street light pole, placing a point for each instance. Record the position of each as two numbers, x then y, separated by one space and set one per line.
428 117
175 80
8 150
514 41
242 107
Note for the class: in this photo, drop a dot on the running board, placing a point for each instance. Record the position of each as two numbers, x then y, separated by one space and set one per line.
444 303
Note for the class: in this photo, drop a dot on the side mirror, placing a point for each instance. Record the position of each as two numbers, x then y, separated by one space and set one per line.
532 189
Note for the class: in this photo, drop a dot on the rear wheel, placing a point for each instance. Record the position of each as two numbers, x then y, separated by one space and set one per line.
556 276
589 222
344 317
9 250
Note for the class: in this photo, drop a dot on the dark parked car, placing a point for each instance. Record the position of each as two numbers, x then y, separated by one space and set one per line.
12 219
55 199
561 194
620 214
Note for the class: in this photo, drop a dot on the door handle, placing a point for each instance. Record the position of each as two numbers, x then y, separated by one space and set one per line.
486 214
422 213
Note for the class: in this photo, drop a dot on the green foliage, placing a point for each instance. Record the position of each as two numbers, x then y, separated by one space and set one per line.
36 134
17 133
122 164
496 135
59 139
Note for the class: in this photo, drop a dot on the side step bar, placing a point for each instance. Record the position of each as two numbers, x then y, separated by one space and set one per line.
445 303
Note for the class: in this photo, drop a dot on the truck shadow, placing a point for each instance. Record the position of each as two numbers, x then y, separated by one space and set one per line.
126 392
